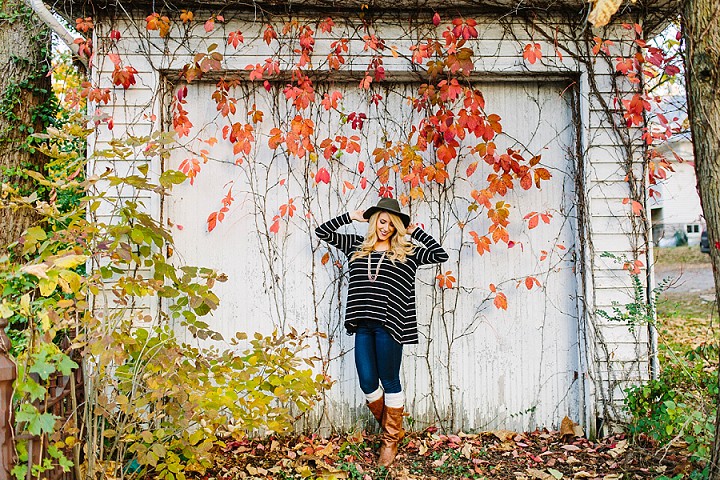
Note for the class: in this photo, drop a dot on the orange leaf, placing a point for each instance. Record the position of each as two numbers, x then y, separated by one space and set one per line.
212 221
500 301
530 281
325 258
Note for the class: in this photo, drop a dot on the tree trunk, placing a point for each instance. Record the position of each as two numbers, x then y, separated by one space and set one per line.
701 28
25 107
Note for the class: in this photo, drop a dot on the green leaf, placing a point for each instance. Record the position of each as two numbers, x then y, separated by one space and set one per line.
32 388
137 235
41 366
37 423
172 177
65 463
66 365
35 234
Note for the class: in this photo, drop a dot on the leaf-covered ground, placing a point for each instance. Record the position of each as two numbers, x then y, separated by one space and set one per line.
429 455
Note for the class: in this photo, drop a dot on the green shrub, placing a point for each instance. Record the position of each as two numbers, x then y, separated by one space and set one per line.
162 388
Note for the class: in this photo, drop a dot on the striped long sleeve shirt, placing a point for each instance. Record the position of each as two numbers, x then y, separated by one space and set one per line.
391 297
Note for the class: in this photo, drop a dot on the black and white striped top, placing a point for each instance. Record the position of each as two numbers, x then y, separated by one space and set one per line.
391 298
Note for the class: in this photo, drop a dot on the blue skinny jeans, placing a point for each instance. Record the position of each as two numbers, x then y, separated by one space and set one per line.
377 358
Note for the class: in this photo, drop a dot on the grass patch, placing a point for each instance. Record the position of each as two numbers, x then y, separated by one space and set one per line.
685 321
680 255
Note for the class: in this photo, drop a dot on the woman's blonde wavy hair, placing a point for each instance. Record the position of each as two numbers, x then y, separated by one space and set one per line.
400 247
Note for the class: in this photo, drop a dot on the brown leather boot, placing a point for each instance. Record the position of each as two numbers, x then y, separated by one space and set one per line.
377 407
391 435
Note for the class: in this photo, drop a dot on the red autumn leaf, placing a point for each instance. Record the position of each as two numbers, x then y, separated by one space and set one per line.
365 82
114 35
532 52
322 175
533 219
209 25
500 301
633 266
636 206
436 19
287 209
326 25
386 192
114 58
124 76
269 34
275 227
84 24
471 169
361 167
330 100
235 38
625 65
363 183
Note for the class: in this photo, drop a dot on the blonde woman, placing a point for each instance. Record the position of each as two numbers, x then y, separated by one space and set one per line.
380 307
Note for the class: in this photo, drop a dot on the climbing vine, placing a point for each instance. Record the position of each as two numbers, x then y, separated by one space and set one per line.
278 122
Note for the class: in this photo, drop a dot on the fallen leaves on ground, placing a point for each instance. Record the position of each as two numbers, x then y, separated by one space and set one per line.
501 454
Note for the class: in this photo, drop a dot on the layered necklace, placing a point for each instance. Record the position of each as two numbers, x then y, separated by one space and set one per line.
374 277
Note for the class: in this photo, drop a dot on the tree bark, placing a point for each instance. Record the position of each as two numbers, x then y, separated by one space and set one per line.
701 29
25 90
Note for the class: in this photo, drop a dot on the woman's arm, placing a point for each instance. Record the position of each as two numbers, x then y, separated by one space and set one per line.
432 252
327 233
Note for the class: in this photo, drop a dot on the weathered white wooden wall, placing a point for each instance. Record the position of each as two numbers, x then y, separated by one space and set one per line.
547 356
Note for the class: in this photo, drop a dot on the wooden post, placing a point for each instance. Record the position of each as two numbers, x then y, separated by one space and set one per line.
8 373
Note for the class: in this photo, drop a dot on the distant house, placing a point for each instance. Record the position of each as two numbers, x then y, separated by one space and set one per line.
677 212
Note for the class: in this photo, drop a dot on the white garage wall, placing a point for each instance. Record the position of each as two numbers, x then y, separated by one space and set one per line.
546 357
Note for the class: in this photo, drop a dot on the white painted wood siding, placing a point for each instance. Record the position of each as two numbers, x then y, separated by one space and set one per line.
548 356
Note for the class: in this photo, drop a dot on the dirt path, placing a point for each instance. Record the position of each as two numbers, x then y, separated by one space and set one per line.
686 278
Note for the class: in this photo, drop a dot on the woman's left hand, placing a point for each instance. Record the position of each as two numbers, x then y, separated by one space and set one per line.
411 228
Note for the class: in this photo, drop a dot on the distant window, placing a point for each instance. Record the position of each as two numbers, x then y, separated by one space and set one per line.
693 228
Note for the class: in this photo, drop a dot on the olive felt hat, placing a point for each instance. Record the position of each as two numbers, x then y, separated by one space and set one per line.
388 205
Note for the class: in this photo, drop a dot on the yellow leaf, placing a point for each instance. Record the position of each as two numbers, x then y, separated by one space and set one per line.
70 261
5 311
602 11
44 321
73 280
47 286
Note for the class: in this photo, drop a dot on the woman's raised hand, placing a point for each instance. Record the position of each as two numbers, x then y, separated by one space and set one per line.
357 215
411 228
